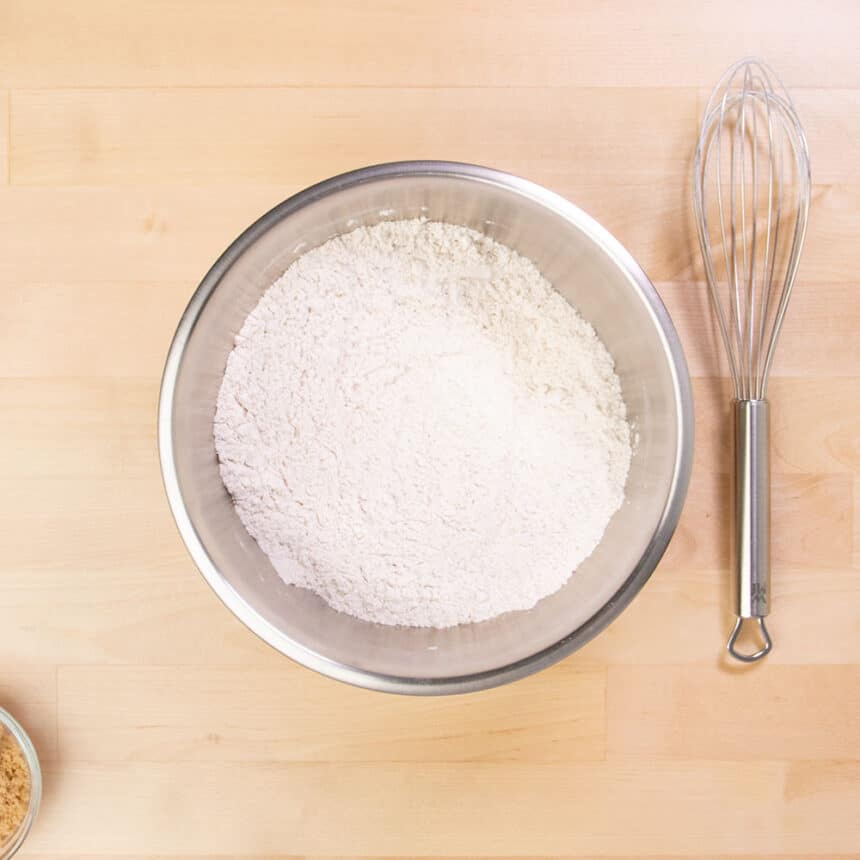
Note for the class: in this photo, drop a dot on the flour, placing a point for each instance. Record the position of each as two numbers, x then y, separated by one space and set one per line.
414 425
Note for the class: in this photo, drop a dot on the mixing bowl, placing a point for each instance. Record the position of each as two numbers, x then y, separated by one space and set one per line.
9 847
587 266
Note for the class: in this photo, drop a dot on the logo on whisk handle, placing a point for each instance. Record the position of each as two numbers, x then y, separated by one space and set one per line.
759 598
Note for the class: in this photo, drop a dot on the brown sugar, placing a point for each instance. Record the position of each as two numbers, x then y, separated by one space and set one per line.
14 785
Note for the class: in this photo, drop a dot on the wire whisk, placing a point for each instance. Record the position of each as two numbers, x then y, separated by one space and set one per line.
751 192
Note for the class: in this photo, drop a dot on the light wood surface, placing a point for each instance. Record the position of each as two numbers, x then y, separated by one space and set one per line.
136 140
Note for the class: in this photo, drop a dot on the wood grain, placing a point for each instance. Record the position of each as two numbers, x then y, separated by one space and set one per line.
680 710
139 139
109 236
810 429
4 137
810 513
215 136
472 809
184 856
80 515
189 714
127 617
98 350
856 508
108 428
527 43
832 118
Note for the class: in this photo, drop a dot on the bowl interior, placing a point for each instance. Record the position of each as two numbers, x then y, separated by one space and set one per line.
583 263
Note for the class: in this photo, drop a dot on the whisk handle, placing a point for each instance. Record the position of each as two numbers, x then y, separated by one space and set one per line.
752 520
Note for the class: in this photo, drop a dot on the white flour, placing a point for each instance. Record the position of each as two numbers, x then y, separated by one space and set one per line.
417 427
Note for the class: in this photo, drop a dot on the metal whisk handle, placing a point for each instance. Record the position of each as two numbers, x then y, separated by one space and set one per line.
752 521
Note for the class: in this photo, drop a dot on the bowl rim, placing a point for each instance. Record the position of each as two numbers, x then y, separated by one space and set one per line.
8 722
578 637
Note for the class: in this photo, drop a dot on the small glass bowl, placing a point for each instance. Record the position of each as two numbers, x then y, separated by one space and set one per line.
12 844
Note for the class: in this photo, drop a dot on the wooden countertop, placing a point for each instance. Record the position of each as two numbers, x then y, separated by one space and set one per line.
136 140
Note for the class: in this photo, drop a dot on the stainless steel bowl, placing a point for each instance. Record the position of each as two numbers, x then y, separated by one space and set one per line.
591 269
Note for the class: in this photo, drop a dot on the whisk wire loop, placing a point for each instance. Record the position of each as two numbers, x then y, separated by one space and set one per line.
751 147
